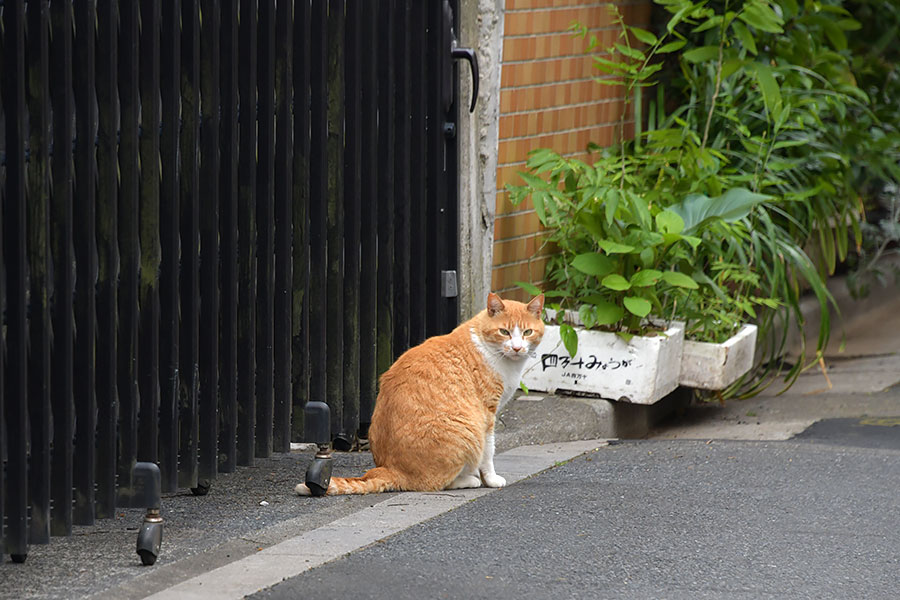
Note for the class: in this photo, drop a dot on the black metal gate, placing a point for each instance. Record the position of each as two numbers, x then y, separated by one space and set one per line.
212 211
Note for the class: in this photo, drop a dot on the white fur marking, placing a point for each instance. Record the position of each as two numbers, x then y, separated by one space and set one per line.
509 368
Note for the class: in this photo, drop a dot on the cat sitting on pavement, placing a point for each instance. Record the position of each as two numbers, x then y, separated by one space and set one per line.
433 424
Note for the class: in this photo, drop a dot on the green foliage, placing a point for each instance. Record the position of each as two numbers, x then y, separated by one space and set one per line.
623 258
875 62
749 155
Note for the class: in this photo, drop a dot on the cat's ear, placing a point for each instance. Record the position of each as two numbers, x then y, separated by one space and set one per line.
494 304
536 306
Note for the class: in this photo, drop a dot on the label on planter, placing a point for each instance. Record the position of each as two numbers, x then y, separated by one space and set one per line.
568 364
640 371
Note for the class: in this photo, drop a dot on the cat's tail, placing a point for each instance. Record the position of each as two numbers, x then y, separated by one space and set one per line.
379 479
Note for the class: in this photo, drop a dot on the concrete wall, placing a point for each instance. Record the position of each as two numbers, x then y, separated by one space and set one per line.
481 27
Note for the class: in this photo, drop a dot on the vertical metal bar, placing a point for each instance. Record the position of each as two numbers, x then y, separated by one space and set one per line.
148 294
228 237
352 221
37 220
189 343
283 225
300 192
247 235
15 394
318 298
265 227
3 434
438 59
401 179
63 281
107 254
85 251
128 241
369 233
448 217
170 242
418 152
334 148
385 194
209 242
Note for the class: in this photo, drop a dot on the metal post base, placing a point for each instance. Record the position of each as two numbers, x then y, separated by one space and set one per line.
318 475
150 537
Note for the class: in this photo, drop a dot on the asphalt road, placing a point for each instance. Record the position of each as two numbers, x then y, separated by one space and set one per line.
653 519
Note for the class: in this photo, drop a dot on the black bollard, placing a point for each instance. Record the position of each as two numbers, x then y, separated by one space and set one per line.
146 494
317 429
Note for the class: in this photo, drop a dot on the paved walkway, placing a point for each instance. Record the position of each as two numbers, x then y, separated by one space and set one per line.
675 519
703 509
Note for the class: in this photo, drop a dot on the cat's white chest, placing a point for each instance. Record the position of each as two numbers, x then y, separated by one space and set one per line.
509 370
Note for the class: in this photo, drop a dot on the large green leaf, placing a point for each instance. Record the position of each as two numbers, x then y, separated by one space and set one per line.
679 280
645 278
528 287
669 221
745 36
607 313
643 35
592 223
671 47
761 16
593 263
616 282
538 198
586 314
632 53
637 306
701 54
771 93
698 210
569 338
611 247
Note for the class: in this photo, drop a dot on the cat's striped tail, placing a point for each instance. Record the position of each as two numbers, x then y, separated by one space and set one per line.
379 479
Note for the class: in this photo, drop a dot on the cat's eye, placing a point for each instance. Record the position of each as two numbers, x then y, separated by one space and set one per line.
527 332
504 332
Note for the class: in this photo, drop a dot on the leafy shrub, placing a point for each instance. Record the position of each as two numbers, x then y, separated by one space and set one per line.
752 97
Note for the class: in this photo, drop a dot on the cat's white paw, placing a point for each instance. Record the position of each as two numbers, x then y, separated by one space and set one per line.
492 480
464 482
302 490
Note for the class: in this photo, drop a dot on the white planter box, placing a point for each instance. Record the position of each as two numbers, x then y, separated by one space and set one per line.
716 366
641 371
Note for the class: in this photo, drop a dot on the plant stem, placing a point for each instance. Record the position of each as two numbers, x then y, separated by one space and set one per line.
715 96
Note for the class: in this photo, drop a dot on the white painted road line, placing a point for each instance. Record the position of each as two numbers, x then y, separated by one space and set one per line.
296 555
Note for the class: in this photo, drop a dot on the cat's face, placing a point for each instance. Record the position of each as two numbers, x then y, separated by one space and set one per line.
512 328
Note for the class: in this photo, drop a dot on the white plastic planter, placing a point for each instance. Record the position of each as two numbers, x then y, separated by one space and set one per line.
716 366
640 371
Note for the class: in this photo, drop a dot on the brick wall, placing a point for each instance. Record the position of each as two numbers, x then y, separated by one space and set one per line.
548 99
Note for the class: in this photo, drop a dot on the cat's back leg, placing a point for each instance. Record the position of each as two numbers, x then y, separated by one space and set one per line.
467 478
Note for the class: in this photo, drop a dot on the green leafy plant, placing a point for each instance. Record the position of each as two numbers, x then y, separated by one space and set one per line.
621 258
875 139
757 95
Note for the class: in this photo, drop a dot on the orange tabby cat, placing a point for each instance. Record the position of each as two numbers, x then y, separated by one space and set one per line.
433 424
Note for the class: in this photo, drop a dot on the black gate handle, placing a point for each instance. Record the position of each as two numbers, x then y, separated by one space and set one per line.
469 55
